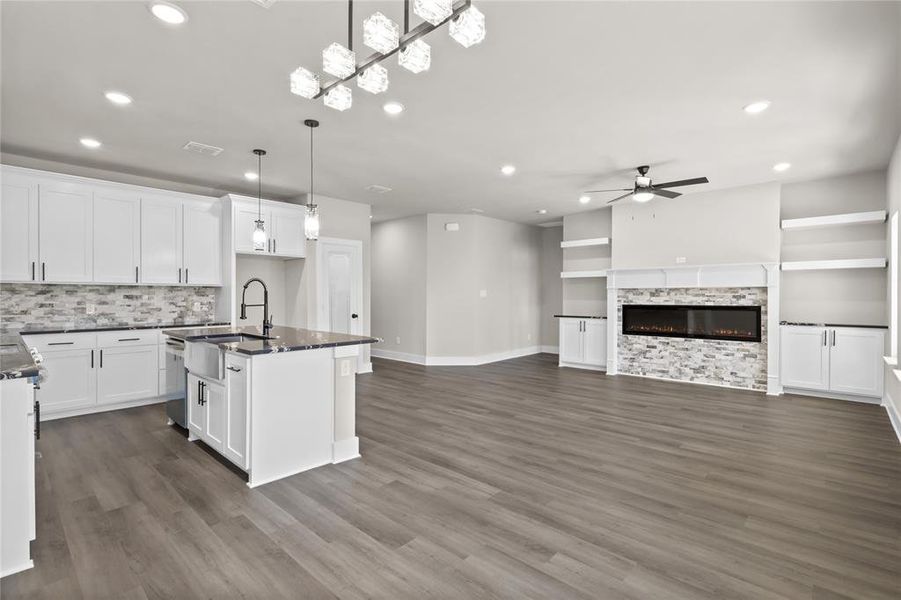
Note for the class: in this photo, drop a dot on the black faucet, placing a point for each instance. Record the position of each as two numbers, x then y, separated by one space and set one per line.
267 318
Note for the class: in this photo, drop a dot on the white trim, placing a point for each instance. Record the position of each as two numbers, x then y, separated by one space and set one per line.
416 359
585 367
366 368
582 274
845 263
857 218
344 450
894 414
720 385
550 349
252 483
695 276
891 361
100 408
833 395
585 242
18 568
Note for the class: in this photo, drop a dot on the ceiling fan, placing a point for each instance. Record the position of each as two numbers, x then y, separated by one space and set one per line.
644 189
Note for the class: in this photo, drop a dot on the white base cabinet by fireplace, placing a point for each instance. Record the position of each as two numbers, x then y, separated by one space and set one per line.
838 361
583 343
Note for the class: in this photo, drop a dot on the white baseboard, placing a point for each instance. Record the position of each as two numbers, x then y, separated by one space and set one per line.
99 408
344 450
582 366
550 349
458 361
832 396
894 414
366 368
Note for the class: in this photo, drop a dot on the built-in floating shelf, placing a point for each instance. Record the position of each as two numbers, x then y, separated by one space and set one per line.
822 265
582 274
586 242
897 373
858 218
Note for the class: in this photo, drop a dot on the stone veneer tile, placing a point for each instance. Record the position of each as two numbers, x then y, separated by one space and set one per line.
734 364
30 305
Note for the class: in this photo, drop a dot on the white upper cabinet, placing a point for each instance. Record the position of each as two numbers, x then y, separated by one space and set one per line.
117 237
66 232
161 241
202 243
287 232
245 222
18 229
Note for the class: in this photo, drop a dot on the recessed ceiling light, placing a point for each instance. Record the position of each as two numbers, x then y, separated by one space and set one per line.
168 12
118 98
584 199
370 216
541 211
757 107
508 170
251 176
478 211
89 142
783 166
393 108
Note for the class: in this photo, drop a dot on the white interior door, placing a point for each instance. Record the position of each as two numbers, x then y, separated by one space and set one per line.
340 286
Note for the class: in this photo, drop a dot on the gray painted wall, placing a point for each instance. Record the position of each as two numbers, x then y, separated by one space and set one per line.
841 296
399 284
892 385
737 225
551 287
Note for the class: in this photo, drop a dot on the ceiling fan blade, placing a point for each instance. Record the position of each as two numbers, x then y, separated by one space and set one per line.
681 182
599 191
620 197
664 193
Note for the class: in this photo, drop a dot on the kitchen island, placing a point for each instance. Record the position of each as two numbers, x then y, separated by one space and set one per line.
274 402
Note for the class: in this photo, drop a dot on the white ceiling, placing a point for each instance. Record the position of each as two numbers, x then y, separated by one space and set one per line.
574 94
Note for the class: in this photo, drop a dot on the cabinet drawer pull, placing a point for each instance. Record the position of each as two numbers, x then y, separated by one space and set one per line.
32 270
92 359
60 343
235 369
137 339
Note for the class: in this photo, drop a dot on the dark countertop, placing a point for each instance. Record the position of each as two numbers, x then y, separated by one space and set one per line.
38 330
285 339
799 324
16 361
578 317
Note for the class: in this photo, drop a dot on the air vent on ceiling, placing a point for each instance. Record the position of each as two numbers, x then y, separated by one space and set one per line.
264 3
204 149
378 189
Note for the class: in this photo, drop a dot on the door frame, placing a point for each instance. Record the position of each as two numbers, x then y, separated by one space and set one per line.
356 296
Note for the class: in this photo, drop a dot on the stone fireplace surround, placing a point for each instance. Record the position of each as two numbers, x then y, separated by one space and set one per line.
747 365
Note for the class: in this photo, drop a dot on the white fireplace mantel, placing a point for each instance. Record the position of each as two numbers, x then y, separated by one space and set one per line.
700 276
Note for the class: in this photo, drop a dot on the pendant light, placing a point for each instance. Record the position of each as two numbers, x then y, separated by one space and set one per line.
311 222
259 232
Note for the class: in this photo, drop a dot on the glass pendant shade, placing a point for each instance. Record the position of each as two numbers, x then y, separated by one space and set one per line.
259 237
304 83
642 196
433 11
339 97
311 222
469 27
374 79
339 61
416 57
381 33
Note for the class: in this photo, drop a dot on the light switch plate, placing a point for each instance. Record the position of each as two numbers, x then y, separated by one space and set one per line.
345 368
397 341
483 293
680 260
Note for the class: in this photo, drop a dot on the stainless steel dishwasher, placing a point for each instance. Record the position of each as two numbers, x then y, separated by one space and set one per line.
176 382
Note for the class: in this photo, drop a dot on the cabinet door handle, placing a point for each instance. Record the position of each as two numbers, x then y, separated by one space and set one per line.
833 337
43 271
186 274
101 358
136 274
825 333
275 246
198 393
92 359
32 270
179 274
235 369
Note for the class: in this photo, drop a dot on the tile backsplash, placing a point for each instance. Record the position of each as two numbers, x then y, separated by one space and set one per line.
23 306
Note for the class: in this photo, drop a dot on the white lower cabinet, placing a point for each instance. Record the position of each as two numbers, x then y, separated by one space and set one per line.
838 360
218 411
71 381
127 373
583 343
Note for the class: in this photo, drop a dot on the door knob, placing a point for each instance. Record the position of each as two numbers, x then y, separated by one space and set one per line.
353 315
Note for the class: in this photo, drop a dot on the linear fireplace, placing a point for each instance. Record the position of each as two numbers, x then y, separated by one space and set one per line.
735 323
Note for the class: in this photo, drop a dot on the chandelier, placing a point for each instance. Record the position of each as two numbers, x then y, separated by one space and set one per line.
467 27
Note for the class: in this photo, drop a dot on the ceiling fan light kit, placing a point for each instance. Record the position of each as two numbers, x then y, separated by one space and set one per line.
644 189
467 27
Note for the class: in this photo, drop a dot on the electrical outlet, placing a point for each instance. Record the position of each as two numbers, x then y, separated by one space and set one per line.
197 306
680 260
90 309
529 337
397 341
345 368
483 293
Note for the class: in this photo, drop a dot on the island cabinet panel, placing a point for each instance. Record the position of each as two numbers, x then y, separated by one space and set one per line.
196 409
237 386
214 404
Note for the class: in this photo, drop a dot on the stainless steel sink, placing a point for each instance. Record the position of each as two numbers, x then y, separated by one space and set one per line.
235 337
205 358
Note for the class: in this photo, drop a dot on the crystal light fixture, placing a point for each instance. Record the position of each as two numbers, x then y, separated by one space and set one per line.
339 97
415 57
259 231
339 61
469 27
311 219
304 83
374 79
381 33
433 11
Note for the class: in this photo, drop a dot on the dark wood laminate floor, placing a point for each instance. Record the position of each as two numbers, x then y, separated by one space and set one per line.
512 480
